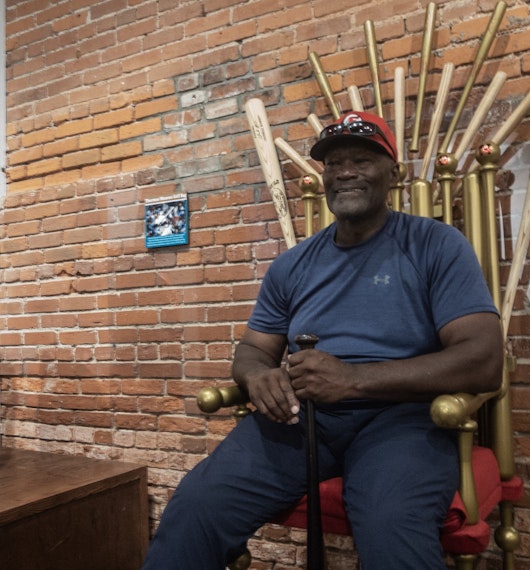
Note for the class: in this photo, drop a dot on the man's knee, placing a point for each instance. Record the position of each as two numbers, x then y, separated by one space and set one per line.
196 497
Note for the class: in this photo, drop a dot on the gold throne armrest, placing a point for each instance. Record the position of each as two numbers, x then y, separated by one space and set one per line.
456 411
211 399
489 415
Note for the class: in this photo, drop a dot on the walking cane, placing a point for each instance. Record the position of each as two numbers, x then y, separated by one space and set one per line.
315 540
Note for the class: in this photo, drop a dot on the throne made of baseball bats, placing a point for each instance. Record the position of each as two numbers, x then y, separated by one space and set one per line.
488 482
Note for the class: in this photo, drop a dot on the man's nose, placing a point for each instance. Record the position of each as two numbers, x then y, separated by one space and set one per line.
349 170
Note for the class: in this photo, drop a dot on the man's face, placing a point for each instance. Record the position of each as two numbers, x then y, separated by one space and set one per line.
357 180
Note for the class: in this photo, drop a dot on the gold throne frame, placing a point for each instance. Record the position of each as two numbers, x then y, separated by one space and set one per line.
485 418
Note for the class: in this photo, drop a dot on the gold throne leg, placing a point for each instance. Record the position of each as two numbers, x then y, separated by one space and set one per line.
465 561
241 563
506 535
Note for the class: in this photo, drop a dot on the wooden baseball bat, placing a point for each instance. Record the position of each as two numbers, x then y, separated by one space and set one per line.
482 52
399 111
513 121
396 192
426 50
297 159
324 84
263 141
437 116
371 50
519 257
476 120
315 124
474 125
355 98
508 126
480 113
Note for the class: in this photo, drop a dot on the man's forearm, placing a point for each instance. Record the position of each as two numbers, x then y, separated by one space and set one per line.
247 361
471 361
424 377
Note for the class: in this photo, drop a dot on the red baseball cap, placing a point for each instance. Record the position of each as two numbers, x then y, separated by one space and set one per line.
363 126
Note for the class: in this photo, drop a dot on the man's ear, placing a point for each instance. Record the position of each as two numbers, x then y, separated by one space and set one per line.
395 173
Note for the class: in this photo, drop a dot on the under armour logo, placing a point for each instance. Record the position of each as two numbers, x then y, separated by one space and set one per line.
384 280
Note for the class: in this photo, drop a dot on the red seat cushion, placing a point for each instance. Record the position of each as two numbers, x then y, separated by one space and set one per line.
457 537
488 487
470 539
334 517
512 490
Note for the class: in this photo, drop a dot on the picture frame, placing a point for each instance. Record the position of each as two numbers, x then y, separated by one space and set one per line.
166 221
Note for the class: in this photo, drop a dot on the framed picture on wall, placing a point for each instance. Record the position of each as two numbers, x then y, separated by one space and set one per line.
166 221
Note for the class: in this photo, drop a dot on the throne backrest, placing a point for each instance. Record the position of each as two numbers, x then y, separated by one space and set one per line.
449 173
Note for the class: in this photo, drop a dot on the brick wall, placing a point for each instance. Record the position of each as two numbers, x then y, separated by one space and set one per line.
103 343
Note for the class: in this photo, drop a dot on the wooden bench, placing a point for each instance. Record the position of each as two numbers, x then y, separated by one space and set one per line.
60 512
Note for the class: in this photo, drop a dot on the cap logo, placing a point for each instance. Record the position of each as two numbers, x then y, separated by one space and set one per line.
352 118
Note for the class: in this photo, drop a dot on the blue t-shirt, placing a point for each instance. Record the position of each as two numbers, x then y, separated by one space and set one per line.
383 299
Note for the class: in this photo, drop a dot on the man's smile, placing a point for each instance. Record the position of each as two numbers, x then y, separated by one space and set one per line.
355 189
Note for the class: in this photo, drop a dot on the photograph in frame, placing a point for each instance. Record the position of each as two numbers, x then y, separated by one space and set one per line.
166 221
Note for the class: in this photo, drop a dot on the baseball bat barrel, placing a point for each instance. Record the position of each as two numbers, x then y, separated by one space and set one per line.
513 121
270 165
324 84
399 112
484 47
355 98
297 159
477 119
426 50
480 114
519 257
371 51
315 124
437 117
396 192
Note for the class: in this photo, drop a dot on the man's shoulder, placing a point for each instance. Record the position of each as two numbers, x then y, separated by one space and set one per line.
413 226
317 240
427 240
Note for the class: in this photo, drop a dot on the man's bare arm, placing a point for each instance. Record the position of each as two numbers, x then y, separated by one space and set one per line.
470 361
258 370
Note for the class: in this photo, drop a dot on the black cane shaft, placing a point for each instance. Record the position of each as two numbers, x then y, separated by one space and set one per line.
315 539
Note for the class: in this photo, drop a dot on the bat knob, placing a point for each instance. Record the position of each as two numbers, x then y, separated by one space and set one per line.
306 341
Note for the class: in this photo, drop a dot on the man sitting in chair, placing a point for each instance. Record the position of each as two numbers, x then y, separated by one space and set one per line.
403 314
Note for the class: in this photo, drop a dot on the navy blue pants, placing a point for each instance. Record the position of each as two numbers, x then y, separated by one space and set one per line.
400 474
